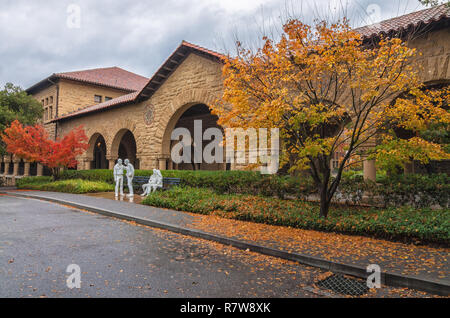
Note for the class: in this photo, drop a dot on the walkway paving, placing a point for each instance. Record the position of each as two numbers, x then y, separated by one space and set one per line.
403 265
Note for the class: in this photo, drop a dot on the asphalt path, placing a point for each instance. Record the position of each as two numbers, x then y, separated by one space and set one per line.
39 240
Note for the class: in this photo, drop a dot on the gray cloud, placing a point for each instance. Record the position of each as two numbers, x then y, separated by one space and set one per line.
139 35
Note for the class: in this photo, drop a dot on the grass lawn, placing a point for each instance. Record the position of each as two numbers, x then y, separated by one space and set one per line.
403 224
76 186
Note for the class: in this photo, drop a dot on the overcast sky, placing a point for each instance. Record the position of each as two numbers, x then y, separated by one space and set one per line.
38 38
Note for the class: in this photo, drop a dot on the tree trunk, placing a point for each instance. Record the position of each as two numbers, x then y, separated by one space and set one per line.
56 174
324 202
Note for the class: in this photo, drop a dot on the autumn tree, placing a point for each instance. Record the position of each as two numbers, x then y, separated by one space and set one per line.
326 91
33 143
16 104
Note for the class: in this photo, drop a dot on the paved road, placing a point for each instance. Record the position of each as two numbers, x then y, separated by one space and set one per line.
38 240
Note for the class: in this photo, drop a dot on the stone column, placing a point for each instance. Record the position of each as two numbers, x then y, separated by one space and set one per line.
87 164
162 163
26 169
370 170
16 166
40 170
112 162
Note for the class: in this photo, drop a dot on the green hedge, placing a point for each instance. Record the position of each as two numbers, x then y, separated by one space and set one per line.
405 224
416 190
221 181
77 186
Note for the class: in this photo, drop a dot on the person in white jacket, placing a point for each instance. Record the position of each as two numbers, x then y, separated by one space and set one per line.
155 182
118 177
130 175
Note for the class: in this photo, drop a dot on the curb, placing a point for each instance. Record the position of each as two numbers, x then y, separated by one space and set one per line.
389 279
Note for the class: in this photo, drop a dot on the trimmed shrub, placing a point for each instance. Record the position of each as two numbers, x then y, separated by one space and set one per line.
415 190
405 224
77 186
221 181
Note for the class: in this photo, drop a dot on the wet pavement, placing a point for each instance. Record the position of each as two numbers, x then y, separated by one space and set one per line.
111 196
39 240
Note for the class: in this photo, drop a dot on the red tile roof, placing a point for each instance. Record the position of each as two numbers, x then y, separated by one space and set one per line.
202 49
402 23
114 77
172 62
124 99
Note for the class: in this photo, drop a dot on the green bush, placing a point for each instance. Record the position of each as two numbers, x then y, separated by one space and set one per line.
415 190
221 181
406 224
67 186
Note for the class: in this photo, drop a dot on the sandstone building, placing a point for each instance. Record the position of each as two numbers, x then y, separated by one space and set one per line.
129 116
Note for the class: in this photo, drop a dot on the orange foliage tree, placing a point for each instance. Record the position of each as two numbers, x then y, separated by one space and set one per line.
33 143
326 91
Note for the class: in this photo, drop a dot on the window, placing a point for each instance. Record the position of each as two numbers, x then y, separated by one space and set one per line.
97 98
46 101
46 114
43 102
51 99
50 112
107 98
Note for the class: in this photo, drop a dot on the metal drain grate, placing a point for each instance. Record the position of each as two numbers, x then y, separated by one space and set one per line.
342 285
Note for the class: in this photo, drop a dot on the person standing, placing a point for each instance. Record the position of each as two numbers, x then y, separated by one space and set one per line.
118 177
130 175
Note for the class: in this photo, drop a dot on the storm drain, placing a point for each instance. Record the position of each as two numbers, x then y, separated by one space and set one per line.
343 285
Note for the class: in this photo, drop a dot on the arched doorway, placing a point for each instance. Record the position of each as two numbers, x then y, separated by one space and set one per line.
124 147
97 152
185 118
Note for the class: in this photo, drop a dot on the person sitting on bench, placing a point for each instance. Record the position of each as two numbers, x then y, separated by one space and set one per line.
155 182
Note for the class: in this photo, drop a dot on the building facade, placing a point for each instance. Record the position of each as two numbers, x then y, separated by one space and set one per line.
129 116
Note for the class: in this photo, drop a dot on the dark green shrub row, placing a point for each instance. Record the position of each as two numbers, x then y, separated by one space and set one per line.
405 224
220 181
67 186
415 190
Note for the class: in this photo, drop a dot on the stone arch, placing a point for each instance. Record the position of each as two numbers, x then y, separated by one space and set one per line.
176 109
97 152
184 117
125 146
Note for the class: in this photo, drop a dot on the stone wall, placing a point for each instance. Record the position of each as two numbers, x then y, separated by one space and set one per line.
433 62
196 81
75 95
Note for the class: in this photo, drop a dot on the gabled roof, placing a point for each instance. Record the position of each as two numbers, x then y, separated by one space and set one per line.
172 63
152 85
112 77
402 24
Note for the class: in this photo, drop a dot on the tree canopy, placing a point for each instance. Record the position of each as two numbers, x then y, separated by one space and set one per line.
33 143
16 104
326 92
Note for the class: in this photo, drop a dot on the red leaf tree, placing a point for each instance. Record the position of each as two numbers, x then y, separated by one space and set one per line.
33 144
